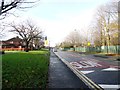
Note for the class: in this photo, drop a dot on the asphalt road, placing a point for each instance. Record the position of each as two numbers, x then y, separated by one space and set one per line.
103 71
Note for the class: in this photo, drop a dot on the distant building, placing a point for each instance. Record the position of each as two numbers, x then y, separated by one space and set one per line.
15 42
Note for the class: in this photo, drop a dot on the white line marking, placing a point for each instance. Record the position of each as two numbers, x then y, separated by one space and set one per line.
86 72
110 69
109 86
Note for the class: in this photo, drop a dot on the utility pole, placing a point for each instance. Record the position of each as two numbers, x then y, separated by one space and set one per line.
75 40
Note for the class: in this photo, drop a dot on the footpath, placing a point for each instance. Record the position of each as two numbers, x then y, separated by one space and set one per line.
61 77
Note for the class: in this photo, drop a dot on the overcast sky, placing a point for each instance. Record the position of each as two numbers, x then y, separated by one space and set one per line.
58 17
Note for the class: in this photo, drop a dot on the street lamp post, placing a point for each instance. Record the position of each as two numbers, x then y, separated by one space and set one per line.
75 40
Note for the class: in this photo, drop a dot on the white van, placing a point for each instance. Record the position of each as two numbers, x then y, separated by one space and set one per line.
54 49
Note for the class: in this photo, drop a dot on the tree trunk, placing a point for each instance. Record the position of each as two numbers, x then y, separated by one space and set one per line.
26 47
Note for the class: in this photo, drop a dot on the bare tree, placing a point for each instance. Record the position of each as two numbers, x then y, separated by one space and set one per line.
106 22
65 44
74 39
38 43
8 5
106 33
101 25
28 31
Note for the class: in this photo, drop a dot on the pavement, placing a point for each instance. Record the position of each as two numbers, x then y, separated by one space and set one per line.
61 77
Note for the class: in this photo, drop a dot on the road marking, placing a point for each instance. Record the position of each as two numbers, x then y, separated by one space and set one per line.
86 72
110 69
109 86
85 64
85 79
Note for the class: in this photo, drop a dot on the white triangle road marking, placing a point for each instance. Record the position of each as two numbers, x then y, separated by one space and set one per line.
110 69
109 86
86 72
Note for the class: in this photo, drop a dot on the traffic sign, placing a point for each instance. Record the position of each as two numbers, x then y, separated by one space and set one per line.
89 44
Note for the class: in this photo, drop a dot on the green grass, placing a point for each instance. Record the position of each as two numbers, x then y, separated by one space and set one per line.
25 69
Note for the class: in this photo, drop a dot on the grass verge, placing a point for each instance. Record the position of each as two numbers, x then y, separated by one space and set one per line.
25 69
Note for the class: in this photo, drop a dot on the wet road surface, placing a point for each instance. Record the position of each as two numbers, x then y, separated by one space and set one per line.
103 72
60 76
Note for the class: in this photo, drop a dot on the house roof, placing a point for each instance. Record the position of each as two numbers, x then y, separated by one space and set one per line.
14 39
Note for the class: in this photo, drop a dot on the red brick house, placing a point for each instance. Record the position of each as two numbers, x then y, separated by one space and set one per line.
15 42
